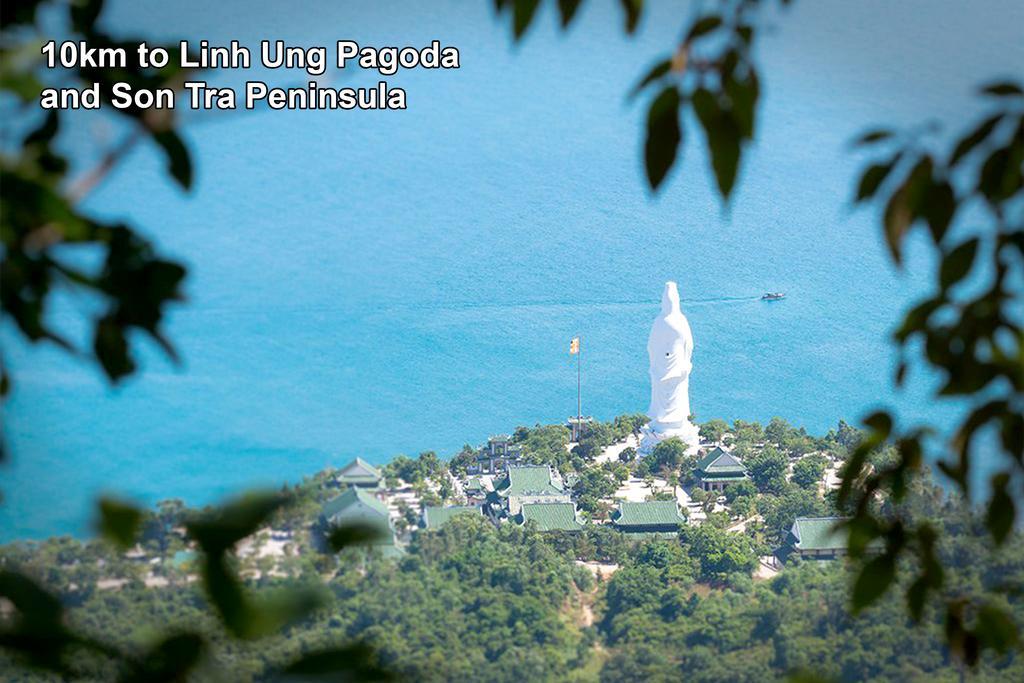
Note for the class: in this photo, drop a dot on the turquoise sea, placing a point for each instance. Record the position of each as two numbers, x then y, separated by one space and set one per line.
389 282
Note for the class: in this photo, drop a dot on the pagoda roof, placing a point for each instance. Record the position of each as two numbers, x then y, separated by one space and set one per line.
649 513
356 507
529 481
359 472
551 516
434 517
818 533
720 462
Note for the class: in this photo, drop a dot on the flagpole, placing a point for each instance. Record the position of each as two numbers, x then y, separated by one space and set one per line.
579 402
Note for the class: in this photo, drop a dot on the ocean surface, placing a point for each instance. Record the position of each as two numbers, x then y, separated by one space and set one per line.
376 283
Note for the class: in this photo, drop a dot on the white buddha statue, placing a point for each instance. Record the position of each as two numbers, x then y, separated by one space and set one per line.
670 349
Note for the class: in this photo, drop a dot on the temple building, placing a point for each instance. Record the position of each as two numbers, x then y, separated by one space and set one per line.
435 517
718 469
551 516
652 517
818 538
475 490
524 484
356 507
359 473
579 425
496 456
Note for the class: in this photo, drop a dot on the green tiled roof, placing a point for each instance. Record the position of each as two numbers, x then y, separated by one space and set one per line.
435 517
359 472
530 480
551 516
720 464
650 513
356 507
473 484
818 533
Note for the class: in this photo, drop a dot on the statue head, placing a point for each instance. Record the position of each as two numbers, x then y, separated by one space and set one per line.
670 299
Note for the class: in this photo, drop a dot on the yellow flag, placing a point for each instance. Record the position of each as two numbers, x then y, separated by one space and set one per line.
574 346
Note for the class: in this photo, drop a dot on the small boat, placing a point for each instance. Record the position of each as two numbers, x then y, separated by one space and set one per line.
773 296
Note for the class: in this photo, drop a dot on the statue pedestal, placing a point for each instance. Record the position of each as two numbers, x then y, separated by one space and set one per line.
688 434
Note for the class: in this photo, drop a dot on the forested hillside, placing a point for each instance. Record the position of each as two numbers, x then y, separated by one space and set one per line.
474 601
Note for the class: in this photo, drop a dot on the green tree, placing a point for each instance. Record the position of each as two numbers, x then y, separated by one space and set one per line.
628 424
713 430
670 454
721 554
768 470
780 511
740 489
460 463
593 485
595 439
544 444
807 472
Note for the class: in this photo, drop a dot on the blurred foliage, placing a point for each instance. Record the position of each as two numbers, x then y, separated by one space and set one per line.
973 336
39 635
970 332
709 74
40 216
40 220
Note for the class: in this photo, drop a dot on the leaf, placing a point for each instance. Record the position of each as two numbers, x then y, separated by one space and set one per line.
30 599
916 319
226 594
1004 89
901 373
975 138
45 132
23 12
880 422
1012 434
957 263
350 662
632 8
723 137
872 136
1000 177
522 16
1001 511
703 26
743 95
111 349
916 595
168 661
179 164
902 209
862 531
567 10
897 220
872 179
873 581
996 629
84 14
119 521
221 528
663 136
939 206
270 613
351 534
656 72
